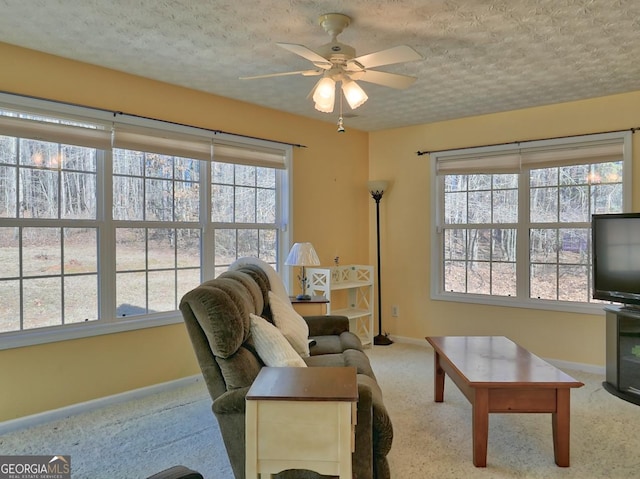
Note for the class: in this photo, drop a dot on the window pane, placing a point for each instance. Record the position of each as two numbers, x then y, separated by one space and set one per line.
128 198
41 251
42 302
480 245
479 277
127 162
187 280
8 150
248 243
80 298
544 281
222 204
162 291
78 158
503 244
9 306
78 195
575 246
266 177
574 204
606 199
544 205
161 253
505 206
455 244
574 283
222 173
159 200
245 209
455 276
80 250
130 249
188 250
543 177
187 169
479 207
225 246
9 253
245 175
39 193
131 289
268 245
266 206
8 189
503 279
158 166
455 208
187 204
455 183
479 182
543 246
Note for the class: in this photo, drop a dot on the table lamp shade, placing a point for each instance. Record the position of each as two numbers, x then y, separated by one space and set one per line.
302 254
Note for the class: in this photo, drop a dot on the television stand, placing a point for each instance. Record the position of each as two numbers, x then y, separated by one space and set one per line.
623 353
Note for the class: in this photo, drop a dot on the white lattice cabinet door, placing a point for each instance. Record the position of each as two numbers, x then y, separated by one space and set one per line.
357 281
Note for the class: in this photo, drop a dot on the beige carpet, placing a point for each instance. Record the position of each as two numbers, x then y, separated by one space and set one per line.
137 438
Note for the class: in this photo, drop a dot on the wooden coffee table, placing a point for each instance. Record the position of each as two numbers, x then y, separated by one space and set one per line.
497 375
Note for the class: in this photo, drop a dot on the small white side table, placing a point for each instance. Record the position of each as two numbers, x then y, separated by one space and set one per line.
301 418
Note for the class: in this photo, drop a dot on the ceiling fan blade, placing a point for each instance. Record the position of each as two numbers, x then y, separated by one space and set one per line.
392 80
306 73
399 54
307 53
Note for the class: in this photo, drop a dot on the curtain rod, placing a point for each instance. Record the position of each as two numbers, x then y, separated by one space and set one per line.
420 153
115 113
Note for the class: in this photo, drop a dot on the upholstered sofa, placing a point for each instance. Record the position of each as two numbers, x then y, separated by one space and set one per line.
219 315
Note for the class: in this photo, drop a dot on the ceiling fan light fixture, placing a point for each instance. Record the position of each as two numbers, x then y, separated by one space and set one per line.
324 95
354 94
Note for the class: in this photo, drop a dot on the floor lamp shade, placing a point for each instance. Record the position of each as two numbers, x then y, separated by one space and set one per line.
302 254
376 188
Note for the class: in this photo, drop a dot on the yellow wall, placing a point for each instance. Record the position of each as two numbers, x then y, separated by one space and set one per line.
330 209
405 226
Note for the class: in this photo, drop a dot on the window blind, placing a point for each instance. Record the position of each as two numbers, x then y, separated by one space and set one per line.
535 154
91 137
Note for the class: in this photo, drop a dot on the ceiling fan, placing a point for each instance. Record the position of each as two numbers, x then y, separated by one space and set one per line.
337 62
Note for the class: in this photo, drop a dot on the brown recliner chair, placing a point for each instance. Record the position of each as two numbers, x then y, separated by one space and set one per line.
216 315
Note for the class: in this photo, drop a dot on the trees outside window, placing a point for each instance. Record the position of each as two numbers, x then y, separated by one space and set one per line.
513 222
95 234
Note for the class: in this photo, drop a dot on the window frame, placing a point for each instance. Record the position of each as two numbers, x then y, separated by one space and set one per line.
508 153
106 225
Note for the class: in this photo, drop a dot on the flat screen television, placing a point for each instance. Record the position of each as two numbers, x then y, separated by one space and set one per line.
616 258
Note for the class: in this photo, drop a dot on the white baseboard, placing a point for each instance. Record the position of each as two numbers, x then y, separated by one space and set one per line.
73 409
587 368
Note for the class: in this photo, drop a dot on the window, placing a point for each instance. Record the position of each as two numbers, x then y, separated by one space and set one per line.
105 226
512 222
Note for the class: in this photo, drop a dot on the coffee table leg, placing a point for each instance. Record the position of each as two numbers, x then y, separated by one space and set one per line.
438 378
560 423
480 406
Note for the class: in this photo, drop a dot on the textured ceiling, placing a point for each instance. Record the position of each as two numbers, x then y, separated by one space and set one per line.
479 56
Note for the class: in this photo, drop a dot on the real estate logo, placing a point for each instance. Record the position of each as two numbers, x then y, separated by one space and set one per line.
35 467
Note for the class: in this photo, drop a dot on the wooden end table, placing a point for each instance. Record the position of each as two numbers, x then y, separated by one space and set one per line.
316 306
301 418
497 375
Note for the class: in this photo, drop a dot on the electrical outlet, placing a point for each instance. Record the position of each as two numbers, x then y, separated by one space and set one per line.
395 311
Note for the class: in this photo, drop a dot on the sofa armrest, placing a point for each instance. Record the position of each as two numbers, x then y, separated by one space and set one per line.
327 325
231 402
363 455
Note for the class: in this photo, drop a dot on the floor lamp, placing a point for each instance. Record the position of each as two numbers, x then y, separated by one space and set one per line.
376 188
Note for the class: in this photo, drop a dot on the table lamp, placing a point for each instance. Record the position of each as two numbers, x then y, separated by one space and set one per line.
302 254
